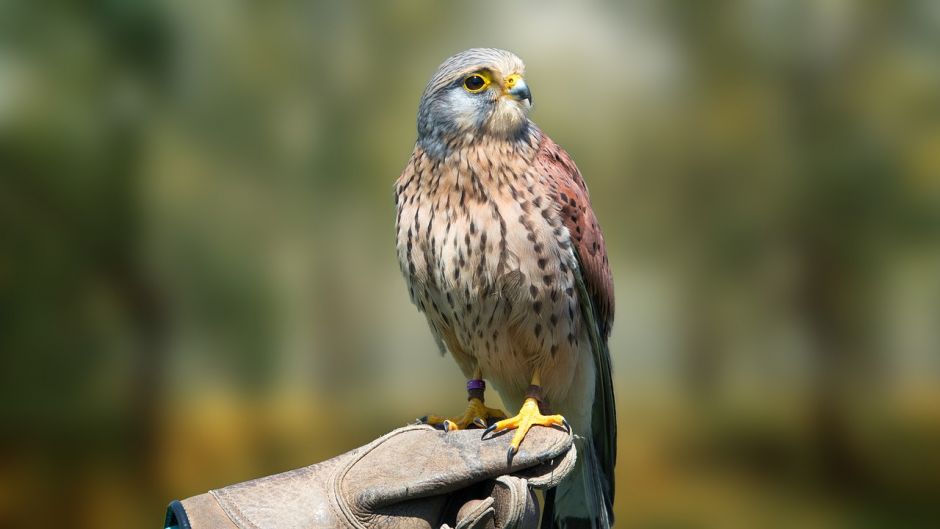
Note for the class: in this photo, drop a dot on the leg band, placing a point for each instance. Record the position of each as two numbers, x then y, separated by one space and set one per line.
535 392
475 389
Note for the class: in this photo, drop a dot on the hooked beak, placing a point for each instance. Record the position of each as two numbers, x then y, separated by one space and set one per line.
518 90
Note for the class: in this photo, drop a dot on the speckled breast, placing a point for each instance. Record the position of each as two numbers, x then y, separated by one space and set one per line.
487 259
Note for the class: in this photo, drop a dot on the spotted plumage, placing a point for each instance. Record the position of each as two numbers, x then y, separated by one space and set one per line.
501 251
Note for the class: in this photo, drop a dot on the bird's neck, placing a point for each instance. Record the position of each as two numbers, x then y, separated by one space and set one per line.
470 167
446 148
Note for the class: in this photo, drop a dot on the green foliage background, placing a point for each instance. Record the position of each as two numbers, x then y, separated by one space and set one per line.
198 282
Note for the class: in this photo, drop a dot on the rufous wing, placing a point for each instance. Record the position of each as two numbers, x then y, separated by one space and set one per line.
571 194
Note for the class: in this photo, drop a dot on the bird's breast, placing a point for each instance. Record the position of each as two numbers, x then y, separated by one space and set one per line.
490 263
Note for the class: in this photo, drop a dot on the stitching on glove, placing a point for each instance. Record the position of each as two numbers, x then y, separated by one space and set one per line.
475 517
228 505
517 498
336 481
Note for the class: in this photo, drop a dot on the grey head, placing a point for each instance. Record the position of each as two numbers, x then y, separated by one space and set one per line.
475 93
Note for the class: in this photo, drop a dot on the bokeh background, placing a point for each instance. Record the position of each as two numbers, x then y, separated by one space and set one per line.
198 282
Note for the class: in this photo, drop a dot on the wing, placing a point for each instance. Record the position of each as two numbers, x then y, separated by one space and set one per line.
571 194
596 295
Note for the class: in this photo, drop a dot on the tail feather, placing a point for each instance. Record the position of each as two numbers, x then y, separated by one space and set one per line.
582 500
604 428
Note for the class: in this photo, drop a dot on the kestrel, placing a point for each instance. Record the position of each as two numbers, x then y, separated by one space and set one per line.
503 254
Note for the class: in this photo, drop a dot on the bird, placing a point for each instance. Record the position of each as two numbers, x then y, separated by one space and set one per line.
502 252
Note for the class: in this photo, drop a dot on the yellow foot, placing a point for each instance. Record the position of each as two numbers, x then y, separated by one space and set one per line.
528 417
477 414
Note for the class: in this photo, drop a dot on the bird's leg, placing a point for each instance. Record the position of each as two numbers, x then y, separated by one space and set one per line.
476 414
529 416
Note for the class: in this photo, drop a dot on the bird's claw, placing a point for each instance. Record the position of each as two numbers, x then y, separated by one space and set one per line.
528 417
489 429
476 414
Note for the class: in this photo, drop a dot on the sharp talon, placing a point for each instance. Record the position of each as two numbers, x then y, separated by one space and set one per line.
509 453
423 420
567 426
479 422
488 430
449 426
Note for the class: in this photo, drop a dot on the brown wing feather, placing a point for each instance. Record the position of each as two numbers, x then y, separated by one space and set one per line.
571 194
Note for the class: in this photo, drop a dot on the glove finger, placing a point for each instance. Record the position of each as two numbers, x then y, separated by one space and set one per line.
515 503
476 514
550 473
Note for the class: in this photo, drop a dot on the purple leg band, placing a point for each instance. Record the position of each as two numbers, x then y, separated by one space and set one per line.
475 389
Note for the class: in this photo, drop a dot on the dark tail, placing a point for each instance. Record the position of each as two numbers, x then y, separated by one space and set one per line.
585 498
582 500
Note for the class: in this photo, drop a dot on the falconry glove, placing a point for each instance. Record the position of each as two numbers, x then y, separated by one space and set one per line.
413 477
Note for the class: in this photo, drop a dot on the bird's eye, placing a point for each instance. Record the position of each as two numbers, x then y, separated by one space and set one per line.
475 83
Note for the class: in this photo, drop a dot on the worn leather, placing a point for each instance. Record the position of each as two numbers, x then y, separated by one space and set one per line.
414 477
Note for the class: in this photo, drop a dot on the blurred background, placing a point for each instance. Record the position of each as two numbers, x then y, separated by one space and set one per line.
198 282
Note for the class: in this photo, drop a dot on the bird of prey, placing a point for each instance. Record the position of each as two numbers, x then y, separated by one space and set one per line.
503 254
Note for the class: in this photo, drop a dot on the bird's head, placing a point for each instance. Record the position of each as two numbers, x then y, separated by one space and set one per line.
477 92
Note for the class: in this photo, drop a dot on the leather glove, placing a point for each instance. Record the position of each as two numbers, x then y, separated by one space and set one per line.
414 477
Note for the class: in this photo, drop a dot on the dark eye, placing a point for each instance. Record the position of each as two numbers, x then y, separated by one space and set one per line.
474 83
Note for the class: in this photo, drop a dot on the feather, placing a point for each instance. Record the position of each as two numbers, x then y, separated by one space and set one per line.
596 299
574 206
